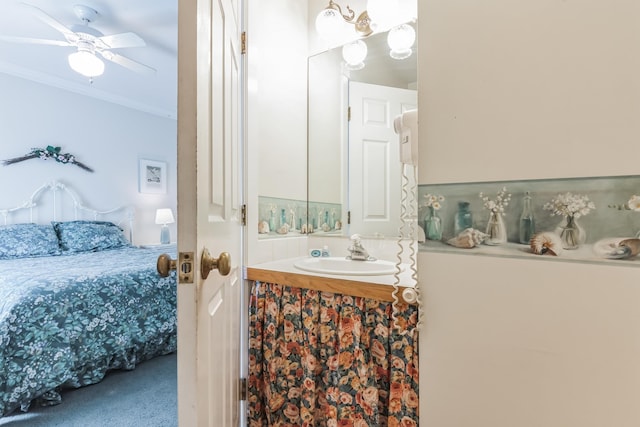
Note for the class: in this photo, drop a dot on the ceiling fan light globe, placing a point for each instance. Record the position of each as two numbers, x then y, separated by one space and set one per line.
86 63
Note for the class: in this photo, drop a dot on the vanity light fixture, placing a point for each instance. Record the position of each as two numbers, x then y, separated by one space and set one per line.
354 54
400 40
331 19
164 216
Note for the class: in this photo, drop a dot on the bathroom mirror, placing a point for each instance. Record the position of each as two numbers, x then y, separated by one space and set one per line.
354 171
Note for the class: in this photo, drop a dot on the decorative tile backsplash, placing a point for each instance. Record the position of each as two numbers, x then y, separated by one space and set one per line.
578 217
285 217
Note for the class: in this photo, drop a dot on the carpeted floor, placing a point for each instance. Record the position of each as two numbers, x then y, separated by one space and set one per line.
144 397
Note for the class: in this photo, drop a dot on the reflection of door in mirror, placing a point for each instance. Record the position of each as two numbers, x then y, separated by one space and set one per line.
374 158
329 174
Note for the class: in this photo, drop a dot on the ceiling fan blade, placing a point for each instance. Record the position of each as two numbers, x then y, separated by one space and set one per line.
116 41
127 63
30 40
42 15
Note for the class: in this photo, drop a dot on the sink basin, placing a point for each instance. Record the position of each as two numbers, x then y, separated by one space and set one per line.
346 267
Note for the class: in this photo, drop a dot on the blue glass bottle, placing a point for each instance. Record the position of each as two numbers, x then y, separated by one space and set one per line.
433 225
272 220
463 219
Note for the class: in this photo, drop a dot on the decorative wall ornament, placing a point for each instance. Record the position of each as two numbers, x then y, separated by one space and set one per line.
49 153
585 234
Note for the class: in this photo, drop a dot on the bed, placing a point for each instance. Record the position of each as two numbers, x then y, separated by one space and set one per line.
77 299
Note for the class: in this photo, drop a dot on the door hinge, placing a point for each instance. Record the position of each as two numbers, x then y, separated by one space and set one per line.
243 389
243 43
349 113
244 214
348 217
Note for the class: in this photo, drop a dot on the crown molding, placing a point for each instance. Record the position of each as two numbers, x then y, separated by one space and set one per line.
49 80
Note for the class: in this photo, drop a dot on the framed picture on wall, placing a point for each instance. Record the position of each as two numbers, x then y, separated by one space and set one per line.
152 177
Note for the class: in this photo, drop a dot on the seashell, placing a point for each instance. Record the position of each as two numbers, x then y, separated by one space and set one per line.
467 239
263 227
338 225
612 248
546 242
325 227
306 229
632 244
284 229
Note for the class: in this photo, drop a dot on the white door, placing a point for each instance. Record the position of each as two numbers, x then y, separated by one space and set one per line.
374 157
210 195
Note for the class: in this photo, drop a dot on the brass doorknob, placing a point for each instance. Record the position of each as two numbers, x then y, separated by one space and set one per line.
208 263
165 264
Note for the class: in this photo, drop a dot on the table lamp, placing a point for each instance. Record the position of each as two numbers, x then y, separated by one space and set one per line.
164 216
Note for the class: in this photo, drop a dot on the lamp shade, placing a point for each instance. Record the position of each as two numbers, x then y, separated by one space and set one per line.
354 54
400 40
86 63
329 23
383 13
164 216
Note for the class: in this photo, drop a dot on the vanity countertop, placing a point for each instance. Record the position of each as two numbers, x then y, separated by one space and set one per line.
284 272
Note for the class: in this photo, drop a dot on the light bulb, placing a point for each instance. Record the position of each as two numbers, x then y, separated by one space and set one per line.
408 10
329 23
86 63
383 13
400 40
354 54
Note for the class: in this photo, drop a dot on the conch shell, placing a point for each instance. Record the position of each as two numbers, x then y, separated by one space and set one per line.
546 243
467 239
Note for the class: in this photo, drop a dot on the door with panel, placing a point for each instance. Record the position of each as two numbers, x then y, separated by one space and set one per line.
210 196
374 158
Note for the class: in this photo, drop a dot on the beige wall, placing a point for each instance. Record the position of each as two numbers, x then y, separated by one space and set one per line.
515 90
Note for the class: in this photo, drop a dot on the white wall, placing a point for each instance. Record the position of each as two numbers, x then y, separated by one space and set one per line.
277 99
277 117
527 90
106 137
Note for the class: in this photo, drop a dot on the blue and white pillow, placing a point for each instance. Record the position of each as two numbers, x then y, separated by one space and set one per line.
28 240
89 236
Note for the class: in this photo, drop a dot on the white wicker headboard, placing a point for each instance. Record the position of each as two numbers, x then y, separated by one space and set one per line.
55 201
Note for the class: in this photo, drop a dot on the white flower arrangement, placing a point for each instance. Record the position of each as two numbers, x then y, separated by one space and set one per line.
634 203
570 205
501 201
434 201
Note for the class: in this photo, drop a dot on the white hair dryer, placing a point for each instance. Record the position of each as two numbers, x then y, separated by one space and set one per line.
406 126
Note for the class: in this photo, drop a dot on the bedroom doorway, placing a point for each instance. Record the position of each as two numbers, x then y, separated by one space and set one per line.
210 194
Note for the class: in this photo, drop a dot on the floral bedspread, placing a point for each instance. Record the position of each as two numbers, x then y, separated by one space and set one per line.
66 320
325 359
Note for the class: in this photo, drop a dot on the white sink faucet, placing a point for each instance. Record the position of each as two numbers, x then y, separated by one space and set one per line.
357 251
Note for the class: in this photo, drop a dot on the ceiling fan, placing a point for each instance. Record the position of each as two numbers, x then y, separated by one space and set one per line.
88 41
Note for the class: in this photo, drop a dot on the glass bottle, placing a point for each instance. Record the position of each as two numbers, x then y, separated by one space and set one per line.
496 229
527 222
433 225
463 219
272 219
283 217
